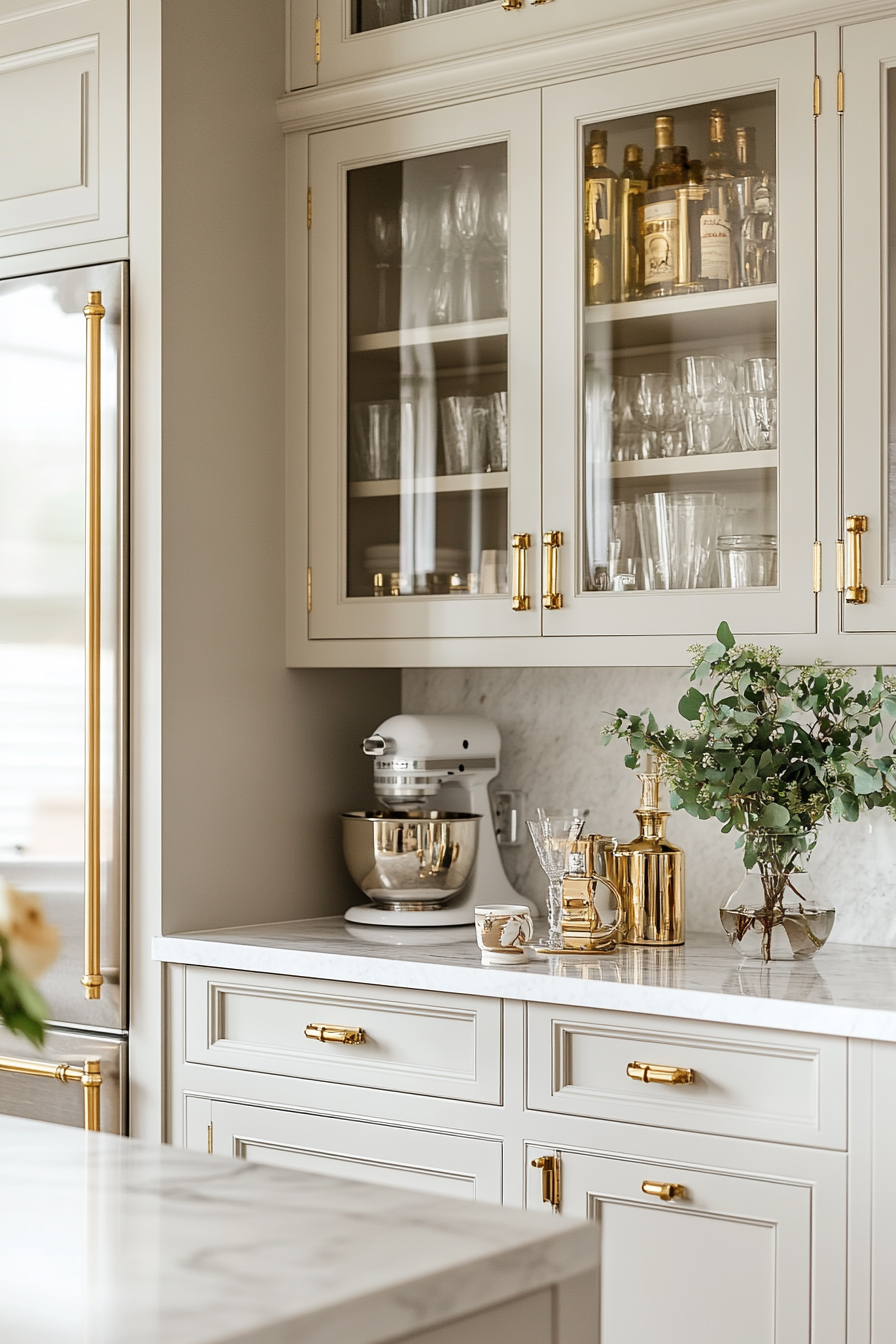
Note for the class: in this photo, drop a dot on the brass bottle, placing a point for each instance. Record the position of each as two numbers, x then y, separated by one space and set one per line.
651 875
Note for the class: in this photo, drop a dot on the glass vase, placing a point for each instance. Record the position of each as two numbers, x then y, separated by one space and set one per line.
775 914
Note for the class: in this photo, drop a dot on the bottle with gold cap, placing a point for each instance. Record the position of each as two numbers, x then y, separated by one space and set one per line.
601 202
632 189
660 217
650 874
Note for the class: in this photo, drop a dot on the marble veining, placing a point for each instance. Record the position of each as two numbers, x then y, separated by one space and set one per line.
843 991
116 1242
550 721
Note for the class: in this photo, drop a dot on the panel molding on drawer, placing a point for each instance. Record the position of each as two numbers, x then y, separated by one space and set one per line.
429 1044
786 1087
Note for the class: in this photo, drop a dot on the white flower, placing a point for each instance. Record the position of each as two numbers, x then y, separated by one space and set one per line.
33 943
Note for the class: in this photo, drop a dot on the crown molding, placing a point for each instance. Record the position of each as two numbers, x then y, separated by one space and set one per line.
574 55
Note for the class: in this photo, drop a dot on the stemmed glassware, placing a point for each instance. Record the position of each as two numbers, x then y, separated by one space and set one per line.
467 205
384 236
443 232
495 223
551 836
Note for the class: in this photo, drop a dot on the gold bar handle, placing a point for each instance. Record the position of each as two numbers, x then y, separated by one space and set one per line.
511 4
92 978
552 598
324 1031
90 1078
856 526
659 1073
550 1179
663 1190
521 543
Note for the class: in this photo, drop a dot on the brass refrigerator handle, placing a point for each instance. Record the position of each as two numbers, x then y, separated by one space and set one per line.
856 592
92 978
90 1078
552 598
521 543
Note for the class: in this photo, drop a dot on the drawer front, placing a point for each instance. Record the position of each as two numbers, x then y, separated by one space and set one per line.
747 1082
358 1150
439 1045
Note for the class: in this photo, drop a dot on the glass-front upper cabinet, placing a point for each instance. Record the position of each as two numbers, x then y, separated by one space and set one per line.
868 471
424 436
679 444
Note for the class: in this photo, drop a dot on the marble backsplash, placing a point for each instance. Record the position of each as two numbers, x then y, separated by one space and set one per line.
550 721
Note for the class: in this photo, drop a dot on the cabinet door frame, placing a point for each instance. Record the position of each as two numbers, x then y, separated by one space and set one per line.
786 65
868 52
514 118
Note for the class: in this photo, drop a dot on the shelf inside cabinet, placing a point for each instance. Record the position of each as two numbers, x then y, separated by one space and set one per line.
712 464
682 318
441 335
432 485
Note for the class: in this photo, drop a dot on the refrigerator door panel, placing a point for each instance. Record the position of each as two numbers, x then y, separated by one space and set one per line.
62 1103
42 619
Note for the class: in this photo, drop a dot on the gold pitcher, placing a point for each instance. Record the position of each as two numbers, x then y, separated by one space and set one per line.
589 885
650 875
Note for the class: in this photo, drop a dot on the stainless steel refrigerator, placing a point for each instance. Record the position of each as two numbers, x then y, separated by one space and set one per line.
63 673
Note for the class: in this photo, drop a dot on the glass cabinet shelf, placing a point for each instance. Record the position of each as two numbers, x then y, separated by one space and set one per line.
456 331
439 485
681 303
714 464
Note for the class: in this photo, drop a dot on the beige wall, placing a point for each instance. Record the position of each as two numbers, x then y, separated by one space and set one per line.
257 760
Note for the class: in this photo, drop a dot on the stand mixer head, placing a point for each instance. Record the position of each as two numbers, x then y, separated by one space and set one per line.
426 765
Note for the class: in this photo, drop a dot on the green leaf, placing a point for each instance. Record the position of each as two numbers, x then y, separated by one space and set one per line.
774 817
865 780
690 704
724 636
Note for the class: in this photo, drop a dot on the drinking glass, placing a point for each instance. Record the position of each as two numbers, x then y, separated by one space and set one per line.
384 236
497 431
708 382
659 406
467 206
631 440
551 836
757 404
375 440
465 434
495 223
446 241
678 538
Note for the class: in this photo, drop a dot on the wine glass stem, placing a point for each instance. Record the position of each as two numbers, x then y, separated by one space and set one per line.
468 287
382 269
555 888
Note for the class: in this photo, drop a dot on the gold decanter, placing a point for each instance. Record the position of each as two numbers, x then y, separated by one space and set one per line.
650 875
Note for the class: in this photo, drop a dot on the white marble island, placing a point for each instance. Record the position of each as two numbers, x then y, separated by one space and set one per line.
115 1242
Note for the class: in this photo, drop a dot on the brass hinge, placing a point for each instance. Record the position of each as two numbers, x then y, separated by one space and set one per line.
309 587
841 572
550 1178
816 96
816 567
210 1136
840 103
309 207
317 41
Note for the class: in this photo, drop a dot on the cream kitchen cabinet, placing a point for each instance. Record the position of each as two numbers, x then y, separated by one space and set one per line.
63 95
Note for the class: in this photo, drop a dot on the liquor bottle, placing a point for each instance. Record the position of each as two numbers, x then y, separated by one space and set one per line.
691 203
718 253
660 226
632 190
649 873
601 197
758 244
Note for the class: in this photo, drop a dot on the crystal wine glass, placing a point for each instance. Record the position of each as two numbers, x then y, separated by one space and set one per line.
446 240
495 222
384 235
467 204
551 836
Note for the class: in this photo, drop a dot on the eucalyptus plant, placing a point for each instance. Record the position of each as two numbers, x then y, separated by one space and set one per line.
771 751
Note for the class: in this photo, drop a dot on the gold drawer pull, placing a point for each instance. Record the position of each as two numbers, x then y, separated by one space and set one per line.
856 526
521 543
550 1179
325 1031
664 1191
659 1073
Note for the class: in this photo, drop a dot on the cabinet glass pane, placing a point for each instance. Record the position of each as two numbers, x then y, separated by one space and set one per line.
679 387
427 410
367 14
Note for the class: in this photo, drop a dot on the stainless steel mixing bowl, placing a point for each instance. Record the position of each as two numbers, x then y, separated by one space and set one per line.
410 860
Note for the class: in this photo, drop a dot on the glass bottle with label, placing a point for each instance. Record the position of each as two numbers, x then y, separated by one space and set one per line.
660 228
747 177
691 204
601 202
759 248
632 190
718 258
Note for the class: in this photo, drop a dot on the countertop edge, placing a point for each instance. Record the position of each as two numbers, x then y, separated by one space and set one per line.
489 982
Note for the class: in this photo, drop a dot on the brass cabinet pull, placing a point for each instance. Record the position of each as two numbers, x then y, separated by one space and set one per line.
90 1078
856 592
550 1179
92 978
664 1191
659 1073
552 598
511 4
325 1031
521 543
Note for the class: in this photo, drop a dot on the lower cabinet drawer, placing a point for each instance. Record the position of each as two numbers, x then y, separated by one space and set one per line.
436 1045
747 1082
740 1257
358 1150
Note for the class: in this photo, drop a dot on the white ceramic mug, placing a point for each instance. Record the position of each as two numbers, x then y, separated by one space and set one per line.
502 932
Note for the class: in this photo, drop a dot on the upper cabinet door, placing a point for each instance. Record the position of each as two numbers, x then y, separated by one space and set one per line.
425 339
869 309
679 272
63 104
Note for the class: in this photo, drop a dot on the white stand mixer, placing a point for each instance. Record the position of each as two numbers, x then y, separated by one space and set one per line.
444 762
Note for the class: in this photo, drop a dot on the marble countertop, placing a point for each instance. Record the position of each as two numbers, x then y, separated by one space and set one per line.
843 991
112 1241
